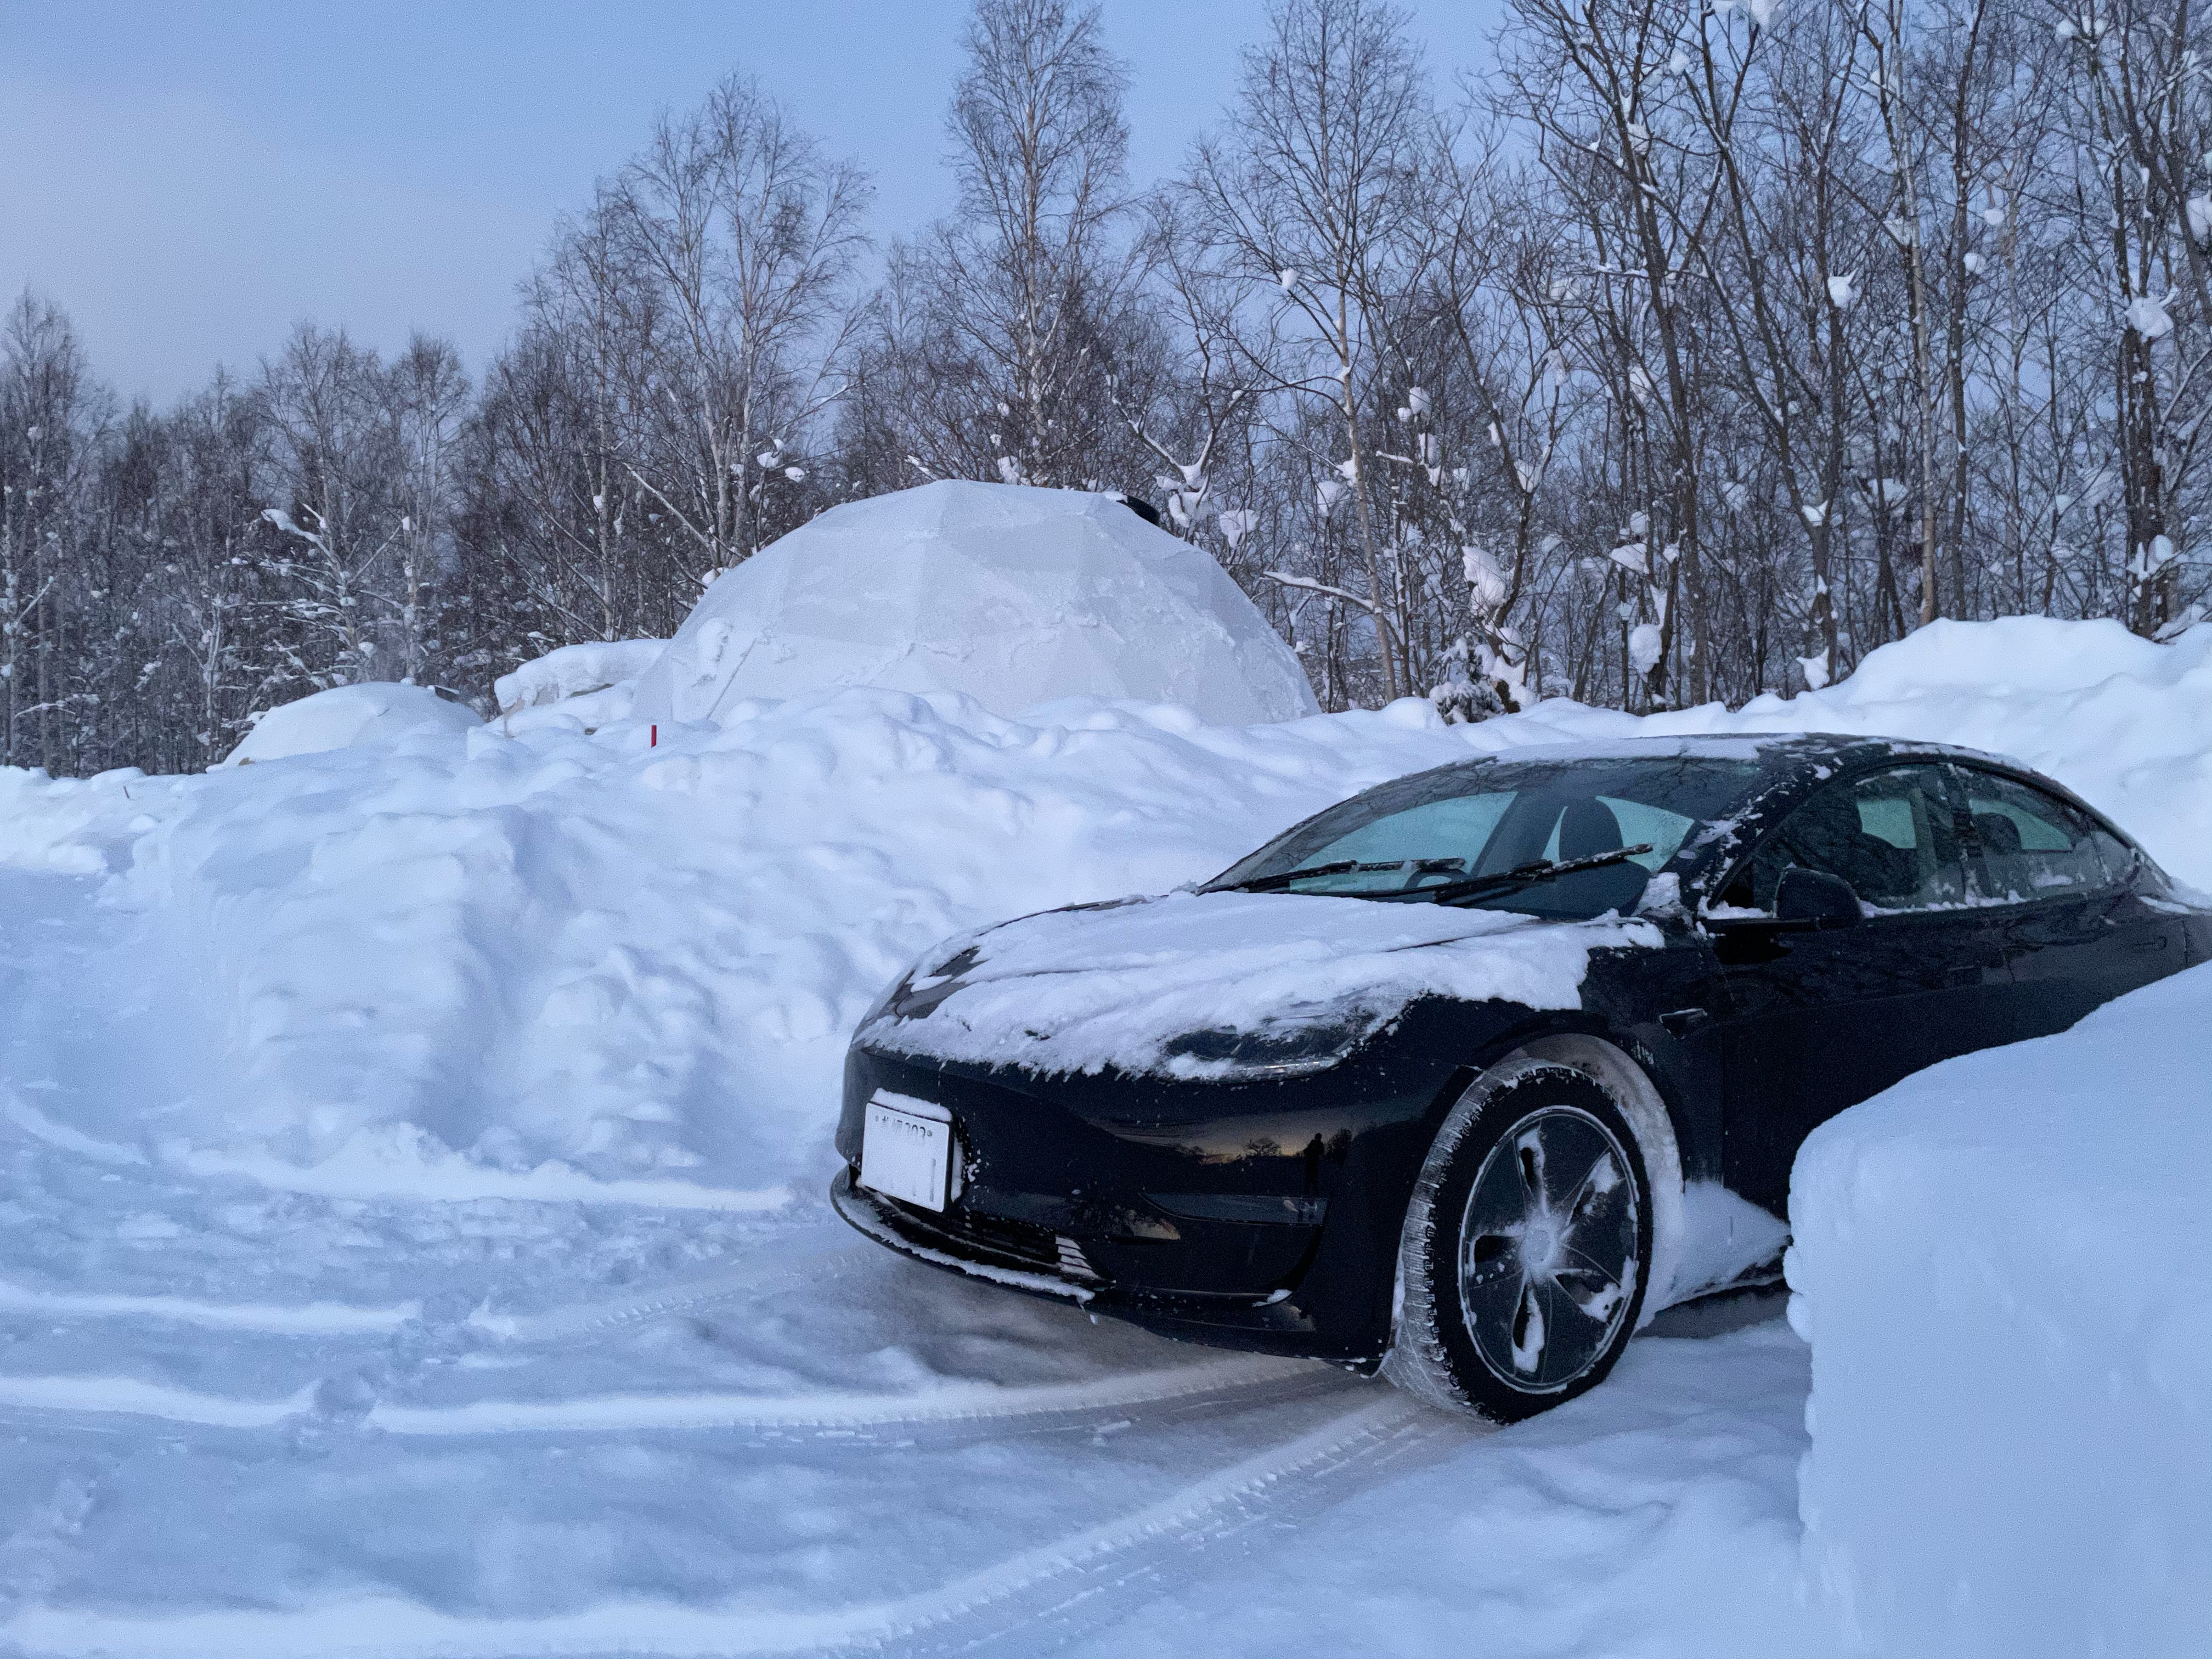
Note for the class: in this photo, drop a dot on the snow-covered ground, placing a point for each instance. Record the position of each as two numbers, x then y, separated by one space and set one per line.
245 1417
411 1238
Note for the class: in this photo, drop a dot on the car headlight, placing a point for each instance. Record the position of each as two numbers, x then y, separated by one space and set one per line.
1288 1048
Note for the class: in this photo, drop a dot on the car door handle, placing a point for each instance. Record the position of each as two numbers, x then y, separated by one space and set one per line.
1683 1021
2145 946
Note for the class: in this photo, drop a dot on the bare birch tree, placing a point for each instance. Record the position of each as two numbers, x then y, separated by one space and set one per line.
1003 328
1299 201
748 236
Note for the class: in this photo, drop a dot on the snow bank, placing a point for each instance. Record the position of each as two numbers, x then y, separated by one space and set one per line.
2125 723
75 826
1270 965
481 964
574 670
532 951
369 716
1013 596
2004 1266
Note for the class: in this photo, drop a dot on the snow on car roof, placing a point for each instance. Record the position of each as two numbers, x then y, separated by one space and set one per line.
1735 745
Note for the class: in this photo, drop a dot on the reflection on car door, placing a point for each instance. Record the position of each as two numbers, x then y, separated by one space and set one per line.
2064 895
1822 1019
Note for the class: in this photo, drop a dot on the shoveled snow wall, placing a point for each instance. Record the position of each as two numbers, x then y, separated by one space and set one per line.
572 953
2004 1267
2125 723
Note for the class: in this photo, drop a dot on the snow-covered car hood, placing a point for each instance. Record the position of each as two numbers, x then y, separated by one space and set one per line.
1223 984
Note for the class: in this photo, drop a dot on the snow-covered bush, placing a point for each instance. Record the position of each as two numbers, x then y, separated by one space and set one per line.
2004 1267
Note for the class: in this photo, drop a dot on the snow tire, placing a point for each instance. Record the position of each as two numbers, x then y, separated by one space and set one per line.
1527 1248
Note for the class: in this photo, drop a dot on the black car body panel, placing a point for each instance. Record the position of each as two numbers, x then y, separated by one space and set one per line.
1266 1212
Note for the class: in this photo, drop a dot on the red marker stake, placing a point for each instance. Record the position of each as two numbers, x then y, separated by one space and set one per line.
654 742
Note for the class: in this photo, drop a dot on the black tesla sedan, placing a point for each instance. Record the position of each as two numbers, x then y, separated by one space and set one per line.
1468 1075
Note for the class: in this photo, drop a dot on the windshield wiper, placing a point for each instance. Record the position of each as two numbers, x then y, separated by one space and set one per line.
1342 868
1504 881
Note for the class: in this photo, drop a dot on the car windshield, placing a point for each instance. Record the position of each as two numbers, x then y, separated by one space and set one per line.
1418 835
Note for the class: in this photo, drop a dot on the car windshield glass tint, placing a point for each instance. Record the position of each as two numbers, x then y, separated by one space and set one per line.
1437 828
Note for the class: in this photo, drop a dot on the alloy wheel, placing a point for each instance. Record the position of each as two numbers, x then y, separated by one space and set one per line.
1548 1249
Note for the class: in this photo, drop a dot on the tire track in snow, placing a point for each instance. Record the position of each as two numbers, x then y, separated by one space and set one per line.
350 1319
442 1176
1234 1381
781 1260
1080 1582
968 1403
295 1319
128 1396
974 1403
1087 1585
61 1137
817 1251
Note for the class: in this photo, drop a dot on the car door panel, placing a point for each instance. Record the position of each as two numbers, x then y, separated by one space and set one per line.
1822 1018
1836 1017
1669 1003
2068 901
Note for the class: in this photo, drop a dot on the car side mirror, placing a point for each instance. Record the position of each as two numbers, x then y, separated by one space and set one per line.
1817 897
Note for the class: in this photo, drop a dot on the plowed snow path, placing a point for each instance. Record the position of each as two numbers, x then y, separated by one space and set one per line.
241 1421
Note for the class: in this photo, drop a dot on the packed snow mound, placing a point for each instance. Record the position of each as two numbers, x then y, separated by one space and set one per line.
565 963
1013 596
574 670
1273 965
372 716
2124 722
569 952
2004 1267
587 686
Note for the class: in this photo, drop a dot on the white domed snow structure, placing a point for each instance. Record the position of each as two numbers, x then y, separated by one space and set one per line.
373 715
1012 595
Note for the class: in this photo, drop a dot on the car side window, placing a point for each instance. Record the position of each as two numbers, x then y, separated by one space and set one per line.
1892 835
2035 846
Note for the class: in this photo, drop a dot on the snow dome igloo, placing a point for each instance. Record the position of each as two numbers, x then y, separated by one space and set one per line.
1012 595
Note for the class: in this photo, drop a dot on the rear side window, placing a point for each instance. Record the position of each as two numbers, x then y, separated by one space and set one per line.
2035 846
1890 835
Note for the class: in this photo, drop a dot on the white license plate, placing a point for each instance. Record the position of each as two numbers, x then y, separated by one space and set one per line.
906 1156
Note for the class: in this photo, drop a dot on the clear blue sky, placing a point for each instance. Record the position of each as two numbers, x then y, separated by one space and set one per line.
188 179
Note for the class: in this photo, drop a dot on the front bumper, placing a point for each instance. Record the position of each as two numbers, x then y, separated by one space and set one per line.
1263 1215
1054 1266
